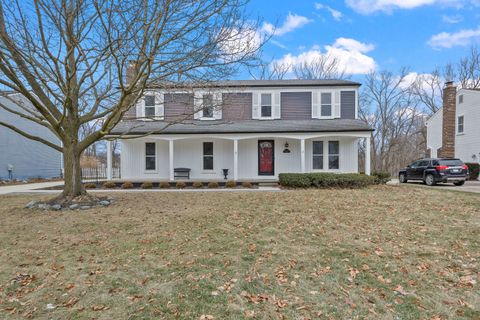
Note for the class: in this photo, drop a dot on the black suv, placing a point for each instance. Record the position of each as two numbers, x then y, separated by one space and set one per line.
432 171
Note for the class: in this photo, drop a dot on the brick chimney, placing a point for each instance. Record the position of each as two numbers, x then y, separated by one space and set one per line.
449 114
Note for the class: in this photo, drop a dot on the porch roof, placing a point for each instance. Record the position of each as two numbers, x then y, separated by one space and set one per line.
136 127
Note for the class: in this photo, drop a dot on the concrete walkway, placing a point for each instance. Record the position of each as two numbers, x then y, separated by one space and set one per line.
29 187
34 188
469 186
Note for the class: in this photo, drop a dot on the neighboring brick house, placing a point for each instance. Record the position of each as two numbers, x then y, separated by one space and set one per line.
254 128
454 130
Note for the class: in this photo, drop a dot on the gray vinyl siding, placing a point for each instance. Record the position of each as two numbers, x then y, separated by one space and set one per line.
31 159
178 106
347 105
131 113
296 105
237 106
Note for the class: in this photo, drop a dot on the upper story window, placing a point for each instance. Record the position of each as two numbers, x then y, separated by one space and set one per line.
266 105
326 104
460 99
149 106
460 124
208 108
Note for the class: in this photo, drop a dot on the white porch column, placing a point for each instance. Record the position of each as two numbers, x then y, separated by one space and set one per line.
170 160
109 160
235 160
302 154
367 156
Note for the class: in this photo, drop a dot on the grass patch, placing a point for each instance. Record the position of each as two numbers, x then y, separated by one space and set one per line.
389 252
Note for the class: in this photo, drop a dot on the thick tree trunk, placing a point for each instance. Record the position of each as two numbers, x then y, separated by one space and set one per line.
72 175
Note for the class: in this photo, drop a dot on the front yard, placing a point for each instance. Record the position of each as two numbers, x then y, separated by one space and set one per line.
385 252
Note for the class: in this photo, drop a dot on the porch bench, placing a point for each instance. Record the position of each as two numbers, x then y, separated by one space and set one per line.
181 173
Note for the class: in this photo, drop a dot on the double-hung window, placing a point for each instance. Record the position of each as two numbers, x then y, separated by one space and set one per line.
461 124
208 108
266 105
150 156
333 155
317 155
149 106
326 104
208 156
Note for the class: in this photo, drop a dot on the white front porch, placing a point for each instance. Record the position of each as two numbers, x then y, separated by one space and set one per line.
238 153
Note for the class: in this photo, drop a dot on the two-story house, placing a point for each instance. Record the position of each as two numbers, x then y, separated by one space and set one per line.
254 128
454 130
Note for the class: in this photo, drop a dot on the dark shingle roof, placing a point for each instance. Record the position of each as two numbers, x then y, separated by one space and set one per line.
261 83
133 127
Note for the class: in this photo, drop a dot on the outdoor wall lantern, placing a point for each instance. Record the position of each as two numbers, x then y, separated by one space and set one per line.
286 150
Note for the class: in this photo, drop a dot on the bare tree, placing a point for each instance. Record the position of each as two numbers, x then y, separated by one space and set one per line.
467 71
272 70
428 89
69 59
322 67
389 107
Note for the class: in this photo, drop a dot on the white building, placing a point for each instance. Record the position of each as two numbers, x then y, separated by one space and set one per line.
254 129
26 158
461 127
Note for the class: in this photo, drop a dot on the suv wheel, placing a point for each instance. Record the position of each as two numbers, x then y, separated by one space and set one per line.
459 183
430 180
402 177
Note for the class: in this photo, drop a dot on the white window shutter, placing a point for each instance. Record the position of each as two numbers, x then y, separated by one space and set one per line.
336 104
315 104
276 112
159 106
256 105
197 105
140 108
218 106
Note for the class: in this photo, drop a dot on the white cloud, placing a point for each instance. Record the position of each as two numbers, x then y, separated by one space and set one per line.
337 15
351 54
449 40
388 6
292 22
452 19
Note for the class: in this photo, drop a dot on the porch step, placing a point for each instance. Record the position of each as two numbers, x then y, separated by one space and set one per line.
268 184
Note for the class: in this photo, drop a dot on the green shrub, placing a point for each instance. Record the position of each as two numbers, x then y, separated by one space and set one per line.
180 185
109 185
197 185
164 185
127 185
213 185
90 186
294 180
146 185
323 180
230 184
474 169
382 177
247 184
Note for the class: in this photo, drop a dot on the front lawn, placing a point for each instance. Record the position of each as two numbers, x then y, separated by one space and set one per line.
387 252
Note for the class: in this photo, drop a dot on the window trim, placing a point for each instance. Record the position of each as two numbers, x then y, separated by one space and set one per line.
261 105
458 124
460 99
318 155
321 104
326 156
146 156
204 107
212 156
333 155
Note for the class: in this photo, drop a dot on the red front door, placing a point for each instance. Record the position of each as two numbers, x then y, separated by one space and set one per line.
266 159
